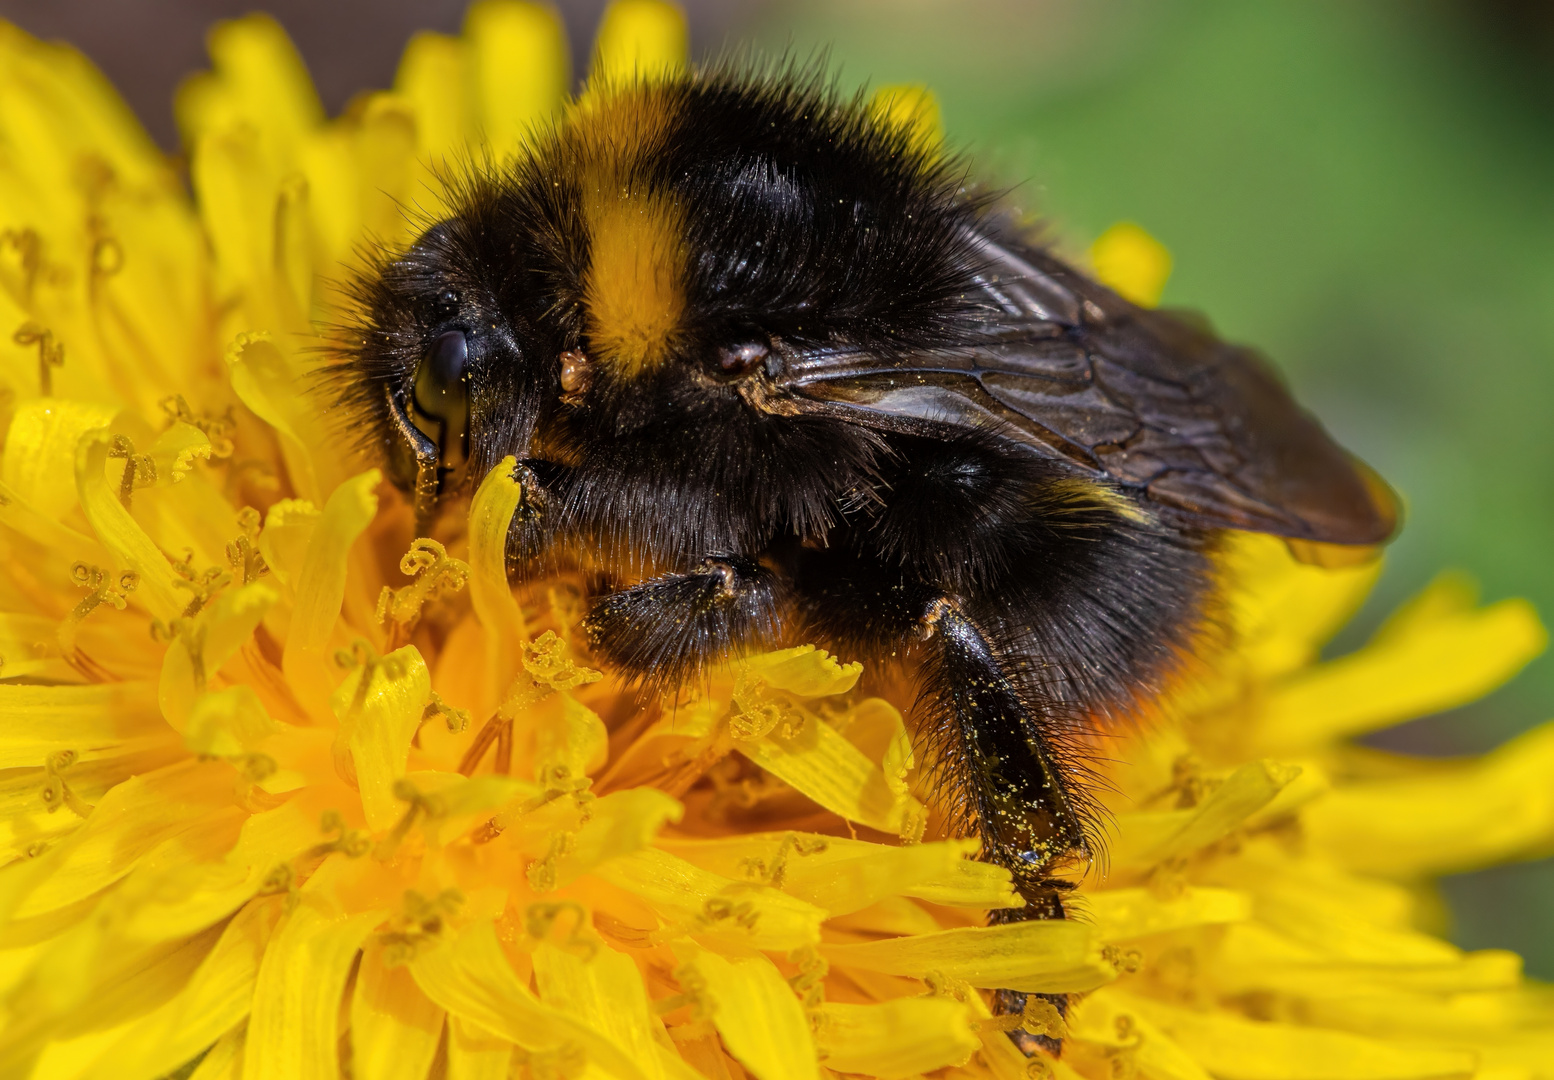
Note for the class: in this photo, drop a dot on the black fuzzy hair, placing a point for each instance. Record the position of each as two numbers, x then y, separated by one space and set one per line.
806 218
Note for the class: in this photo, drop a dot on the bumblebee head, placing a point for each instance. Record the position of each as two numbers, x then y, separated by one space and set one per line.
652 258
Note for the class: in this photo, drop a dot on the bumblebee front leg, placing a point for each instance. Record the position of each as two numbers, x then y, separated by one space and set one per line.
665 630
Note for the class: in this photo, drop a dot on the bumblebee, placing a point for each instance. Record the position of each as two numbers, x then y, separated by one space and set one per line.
776 372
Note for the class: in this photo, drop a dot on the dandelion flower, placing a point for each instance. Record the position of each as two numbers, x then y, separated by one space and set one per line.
291 792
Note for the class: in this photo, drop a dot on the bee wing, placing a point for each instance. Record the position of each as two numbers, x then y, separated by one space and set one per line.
1138 397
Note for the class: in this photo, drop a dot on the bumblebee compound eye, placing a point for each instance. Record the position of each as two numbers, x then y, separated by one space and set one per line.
439 401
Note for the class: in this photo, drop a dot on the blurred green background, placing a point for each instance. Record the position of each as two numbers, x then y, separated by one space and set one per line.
1359 187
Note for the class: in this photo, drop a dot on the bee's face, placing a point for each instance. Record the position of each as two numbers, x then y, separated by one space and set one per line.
654 257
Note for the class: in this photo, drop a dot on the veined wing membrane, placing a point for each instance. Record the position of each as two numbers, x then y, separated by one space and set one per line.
1137 397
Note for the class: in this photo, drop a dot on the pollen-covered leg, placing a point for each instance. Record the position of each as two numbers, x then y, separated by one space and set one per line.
1004 750
665 630
1007 748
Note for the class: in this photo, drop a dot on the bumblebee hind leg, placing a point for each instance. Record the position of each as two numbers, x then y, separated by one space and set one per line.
1002 741
997 743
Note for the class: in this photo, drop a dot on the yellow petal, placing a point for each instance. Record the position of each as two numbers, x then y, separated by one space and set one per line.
377 724
434 77
1133 263
98 118
1041 956
639 39
237 196
265 380
1283 611
288 526
471 978
176 450
1423 666
132 549
55 540
913 108
895 1038
757 1014
1456 818
320 588
1255 958
520 63
164 899
569 740
259 78
604 990
1104 1018
293 1032
820 762
490 516
713 908
805 671
219 630
615 831
215 999
226 723
333 182
1237 1049
131 820
1149 838
225 1060
476 1054
385 147
1123 914
395 1028
80 1009
843 875
38 465
94 721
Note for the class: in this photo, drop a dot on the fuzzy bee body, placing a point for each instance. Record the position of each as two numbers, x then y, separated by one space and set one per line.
769 363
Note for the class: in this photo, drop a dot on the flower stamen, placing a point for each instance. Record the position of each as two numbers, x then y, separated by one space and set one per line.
191 634
103 591
139 469
776 871
243 553
51 354
456 718
542 873
28 246
540 919
421 921
351 843
203 586
549 670
809 982
435 573
56 792
218 429
420 805
693 995
362 655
